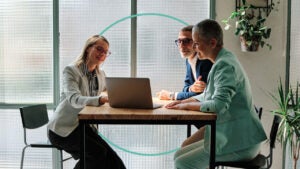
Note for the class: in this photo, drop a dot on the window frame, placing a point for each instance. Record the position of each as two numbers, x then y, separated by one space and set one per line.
56 55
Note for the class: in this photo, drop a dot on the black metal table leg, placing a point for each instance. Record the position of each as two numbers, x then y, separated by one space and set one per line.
82 145
212 158
189 130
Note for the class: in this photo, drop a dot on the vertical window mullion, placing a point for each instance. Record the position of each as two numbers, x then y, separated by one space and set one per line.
133 43
293 45
56 70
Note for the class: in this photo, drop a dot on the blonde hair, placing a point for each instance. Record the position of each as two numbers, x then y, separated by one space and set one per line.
89 42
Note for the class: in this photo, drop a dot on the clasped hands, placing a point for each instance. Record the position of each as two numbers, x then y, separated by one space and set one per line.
198 86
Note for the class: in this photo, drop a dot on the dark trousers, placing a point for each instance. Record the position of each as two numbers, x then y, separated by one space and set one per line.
99 155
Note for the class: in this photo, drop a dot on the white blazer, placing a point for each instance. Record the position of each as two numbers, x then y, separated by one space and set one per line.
75 95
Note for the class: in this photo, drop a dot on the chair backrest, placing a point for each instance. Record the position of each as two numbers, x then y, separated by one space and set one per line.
258 111
274 129
34 116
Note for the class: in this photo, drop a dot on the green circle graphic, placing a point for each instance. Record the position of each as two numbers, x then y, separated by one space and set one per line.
134 152
141 14
101 33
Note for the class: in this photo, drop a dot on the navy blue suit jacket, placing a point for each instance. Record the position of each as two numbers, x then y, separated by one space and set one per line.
202 69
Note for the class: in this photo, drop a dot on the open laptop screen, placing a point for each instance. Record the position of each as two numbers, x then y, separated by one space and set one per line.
126 92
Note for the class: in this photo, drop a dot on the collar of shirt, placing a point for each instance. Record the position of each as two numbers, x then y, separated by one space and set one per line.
86 72
92 80
193 60
193 63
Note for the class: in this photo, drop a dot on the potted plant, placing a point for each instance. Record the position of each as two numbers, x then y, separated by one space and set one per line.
288 104
250 27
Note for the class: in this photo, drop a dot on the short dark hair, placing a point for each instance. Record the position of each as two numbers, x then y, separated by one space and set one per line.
188 28
209 29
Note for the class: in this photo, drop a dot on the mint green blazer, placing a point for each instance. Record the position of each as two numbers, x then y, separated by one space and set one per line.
228 94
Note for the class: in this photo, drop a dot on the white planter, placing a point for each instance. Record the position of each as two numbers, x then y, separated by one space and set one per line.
258 3
253 48
289 161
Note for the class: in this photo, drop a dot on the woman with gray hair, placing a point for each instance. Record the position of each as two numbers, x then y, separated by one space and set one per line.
239 131
83 83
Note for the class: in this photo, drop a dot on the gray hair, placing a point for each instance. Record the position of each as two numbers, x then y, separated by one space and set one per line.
209 29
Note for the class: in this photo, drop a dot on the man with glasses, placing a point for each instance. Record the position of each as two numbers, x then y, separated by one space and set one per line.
197 69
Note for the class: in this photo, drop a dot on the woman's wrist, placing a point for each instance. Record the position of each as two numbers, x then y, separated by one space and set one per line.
193 106
103 99
172 95
100 102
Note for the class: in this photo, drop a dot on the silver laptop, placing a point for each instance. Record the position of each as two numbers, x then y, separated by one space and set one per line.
125 92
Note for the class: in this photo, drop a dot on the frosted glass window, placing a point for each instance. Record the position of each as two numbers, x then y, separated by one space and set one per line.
294 59
26 52
26 67
12 143
79 20
157 55
157 58
295 44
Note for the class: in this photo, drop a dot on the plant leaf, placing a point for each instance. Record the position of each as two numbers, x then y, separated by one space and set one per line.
227 26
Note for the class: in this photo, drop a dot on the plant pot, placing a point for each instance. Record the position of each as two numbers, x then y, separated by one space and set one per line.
249 48
258 3
289 162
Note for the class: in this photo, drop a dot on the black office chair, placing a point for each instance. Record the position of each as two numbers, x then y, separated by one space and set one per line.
260 161
258 111
34 117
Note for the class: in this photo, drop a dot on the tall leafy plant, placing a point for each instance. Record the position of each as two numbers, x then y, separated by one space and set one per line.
288 104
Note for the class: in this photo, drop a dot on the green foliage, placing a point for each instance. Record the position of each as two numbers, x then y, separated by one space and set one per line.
288 104
249 25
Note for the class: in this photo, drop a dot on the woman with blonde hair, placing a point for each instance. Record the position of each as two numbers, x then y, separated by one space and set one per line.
83 83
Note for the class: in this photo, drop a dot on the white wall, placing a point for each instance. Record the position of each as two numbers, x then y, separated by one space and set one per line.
263 67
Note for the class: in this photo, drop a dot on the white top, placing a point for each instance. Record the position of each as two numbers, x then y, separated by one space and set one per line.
193 62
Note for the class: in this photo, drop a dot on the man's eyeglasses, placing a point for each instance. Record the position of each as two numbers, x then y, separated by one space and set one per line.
185 41
102 51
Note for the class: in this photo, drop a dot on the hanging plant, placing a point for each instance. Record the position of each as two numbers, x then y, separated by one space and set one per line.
250 26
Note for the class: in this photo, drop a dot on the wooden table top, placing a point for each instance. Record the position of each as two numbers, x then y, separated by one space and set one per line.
105 112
